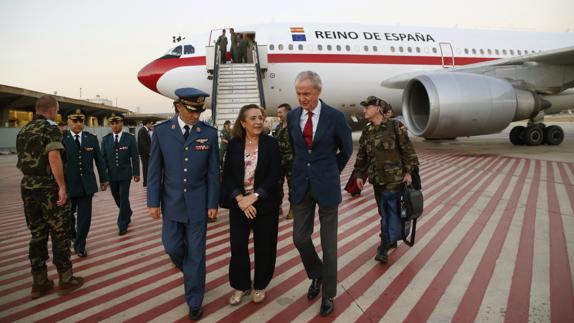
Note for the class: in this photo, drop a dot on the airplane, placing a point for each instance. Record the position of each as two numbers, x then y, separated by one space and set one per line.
446 83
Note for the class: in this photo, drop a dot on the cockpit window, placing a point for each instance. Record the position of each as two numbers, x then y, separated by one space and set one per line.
188 49
173 53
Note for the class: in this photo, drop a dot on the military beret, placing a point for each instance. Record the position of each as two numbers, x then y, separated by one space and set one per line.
115 116
76 114
373 100
192 99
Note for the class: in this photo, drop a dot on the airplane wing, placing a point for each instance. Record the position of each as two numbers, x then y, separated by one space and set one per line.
547 72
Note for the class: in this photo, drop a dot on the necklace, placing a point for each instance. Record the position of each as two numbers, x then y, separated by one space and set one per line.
250 141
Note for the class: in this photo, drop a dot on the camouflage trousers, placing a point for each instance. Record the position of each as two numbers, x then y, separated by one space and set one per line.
44 218
285 173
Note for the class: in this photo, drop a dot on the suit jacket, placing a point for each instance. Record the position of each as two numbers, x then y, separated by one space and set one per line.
319 168
122 162
183 175
267 173
144 142
79 169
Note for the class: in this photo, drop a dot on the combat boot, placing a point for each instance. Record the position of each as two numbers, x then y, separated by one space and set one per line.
68 282
382 250
42 285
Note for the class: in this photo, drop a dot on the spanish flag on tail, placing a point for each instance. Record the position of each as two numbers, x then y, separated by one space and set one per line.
298 34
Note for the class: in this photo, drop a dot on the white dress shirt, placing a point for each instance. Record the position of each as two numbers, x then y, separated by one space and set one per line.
182 124
79 136
119 134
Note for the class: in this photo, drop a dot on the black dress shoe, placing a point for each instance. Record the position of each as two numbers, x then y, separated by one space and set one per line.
195 313
327 306
314 289
82 253
122 232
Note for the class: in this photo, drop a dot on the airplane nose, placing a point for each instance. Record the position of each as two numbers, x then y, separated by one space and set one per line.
149 75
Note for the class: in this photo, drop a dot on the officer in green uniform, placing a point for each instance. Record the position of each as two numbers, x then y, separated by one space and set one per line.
46 206
120 153
234 45
82 150
282 135
387 155
222 44
242 49
225 137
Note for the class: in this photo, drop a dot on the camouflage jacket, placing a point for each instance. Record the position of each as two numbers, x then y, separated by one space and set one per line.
282 136
379 155
33 144
224 134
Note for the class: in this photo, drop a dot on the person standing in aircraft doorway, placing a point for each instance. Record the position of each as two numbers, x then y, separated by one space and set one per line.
222 44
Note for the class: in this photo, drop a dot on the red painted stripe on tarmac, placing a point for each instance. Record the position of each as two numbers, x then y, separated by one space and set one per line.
470 303
519 298
561 294
428 301
568 186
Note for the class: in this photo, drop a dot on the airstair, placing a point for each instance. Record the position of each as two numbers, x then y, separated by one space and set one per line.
236 84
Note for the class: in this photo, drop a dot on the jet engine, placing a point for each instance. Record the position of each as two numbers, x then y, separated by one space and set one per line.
449 105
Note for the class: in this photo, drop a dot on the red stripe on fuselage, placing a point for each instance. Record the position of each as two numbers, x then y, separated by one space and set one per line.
151 73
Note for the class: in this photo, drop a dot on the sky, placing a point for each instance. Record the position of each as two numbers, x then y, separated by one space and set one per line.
99 46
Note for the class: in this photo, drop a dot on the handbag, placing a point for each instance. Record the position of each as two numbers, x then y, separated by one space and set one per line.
411 204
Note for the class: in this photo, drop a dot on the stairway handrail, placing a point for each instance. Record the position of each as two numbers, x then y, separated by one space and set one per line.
259 80
214 86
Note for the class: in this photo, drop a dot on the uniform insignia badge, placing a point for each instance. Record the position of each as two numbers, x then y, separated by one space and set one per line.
172 126
198 129
201 147
201 141
89 148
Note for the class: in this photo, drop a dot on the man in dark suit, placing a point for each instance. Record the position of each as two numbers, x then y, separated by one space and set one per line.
82 150
144 142
183 180
322 145
120 153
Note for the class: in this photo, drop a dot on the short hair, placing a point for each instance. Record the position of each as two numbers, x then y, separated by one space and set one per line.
386 108
312 76
238 130
46 102
227 122
285 106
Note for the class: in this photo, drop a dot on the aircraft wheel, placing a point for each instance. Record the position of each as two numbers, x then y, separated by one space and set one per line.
516 135
553 135
533 136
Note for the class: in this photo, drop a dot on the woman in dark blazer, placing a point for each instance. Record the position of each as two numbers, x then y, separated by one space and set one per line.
251 192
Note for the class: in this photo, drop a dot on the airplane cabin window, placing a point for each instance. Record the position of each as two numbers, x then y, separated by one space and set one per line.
366 48
519 52
466 50
392 49
188 49
512 52
409 49
418 49
375 48
280 47
434 50
320 47
474 51
504 52
481 51
329 47
338 48
489 51
401 49
271 47
348 48
290 46
300 47
496 52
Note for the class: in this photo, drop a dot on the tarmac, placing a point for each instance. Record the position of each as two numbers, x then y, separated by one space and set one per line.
495 244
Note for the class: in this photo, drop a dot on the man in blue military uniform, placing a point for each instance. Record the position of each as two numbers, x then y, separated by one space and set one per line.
120 153
183 179
82 150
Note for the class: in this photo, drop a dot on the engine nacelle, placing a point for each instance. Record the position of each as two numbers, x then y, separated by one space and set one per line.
449 105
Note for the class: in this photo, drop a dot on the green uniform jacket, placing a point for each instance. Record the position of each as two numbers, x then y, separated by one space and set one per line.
122 162
386 153
79 170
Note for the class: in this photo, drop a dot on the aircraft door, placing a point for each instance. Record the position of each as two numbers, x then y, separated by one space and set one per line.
447 55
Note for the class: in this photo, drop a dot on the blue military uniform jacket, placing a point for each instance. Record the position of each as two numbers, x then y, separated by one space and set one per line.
122 162
183 175
319 168
79 169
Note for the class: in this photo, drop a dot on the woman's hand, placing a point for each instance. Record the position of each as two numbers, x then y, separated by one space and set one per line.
247 201
250 212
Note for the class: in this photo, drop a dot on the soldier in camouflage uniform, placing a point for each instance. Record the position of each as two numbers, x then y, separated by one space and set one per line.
225 137
222 45
280 133
46 206
388 156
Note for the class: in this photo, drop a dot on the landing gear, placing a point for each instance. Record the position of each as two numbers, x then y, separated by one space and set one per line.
536 134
